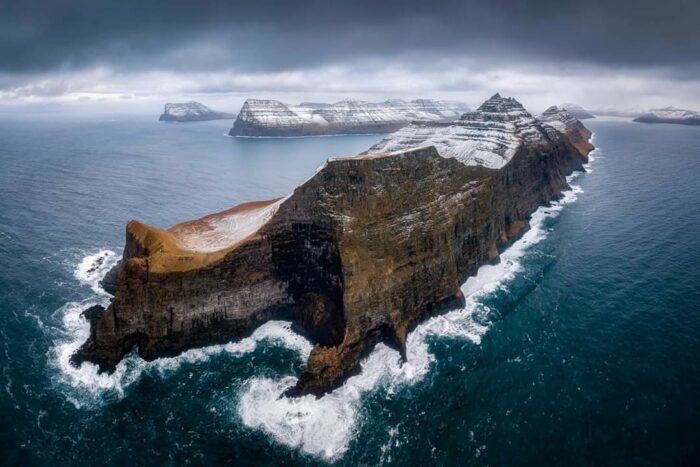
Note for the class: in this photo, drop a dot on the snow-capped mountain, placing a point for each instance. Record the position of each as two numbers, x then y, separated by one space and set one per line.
262 117
489 136
191 112
577 111
670 115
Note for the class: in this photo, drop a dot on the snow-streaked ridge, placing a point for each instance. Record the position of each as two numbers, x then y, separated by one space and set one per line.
271 113
489 136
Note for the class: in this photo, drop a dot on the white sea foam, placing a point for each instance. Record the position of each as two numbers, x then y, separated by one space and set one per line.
93 268
324 426
88 380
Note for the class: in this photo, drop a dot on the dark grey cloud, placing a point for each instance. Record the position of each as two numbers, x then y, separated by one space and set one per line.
272 35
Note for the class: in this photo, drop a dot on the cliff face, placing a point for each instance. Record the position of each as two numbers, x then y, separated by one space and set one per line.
565 122
670 115
259 117
191 112
358 254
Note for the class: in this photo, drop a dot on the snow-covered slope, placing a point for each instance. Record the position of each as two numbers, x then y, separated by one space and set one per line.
191 112
577 111
670 115
260 117
489 136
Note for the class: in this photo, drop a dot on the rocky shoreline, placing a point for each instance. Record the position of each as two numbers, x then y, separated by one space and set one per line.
359 254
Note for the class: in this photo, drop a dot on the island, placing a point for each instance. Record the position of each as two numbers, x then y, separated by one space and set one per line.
358 254
670 115
191 112
262 117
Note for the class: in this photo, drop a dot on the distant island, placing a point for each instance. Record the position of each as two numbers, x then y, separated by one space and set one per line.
577 111
670 115
262 117
191 112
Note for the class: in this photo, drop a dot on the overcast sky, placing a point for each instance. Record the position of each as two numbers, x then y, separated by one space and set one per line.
136 55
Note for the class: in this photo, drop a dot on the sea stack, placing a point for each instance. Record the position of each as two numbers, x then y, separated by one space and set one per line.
191 112
262 117
358 254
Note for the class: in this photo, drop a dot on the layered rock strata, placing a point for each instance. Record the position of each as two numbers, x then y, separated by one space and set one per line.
358 254
261 117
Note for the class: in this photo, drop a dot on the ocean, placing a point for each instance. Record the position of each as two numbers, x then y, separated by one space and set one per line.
580 347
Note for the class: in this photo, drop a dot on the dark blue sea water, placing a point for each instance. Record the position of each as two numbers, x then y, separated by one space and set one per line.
581 347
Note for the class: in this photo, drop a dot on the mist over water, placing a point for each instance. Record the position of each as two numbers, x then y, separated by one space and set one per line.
578 346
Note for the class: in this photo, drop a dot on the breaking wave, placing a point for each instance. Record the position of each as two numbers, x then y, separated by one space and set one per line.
93 268
325 426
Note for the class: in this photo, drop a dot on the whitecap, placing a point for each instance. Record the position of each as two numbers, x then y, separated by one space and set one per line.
93 268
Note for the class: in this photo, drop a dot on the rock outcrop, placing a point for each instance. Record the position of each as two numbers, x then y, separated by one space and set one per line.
191 112
562 120
670 115
260 117
358 254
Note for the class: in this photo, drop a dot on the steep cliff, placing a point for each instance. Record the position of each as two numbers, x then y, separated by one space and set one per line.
564 121
191 112
260 117
358 254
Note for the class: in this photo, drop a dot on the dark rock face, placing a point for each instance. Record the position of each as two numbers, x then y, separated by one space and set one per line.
109 281
358 254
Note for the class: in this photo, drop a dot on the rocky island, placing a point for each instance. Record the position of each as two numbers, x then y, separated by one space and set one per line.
261 117
191 112
358 254
670 115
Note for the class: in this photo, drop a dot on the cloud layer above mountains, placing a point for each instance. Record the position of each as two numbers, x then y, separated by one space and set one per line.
620 53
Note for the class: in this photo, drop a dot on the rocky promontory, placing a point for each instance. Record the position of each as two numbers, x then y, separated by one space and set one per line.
670 115
262 117
358 254
191 112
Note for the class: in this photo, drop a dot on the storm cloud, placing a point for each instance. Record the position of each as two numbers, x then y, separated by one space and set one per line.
46 45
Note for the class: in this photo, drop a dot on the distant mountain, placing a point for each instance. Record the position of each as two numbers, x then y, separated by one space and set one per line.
670 115
262 117
191 112
577 111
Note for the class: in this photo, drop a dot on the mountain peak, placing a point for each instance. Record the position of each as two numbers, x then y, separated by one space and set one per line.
498 104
